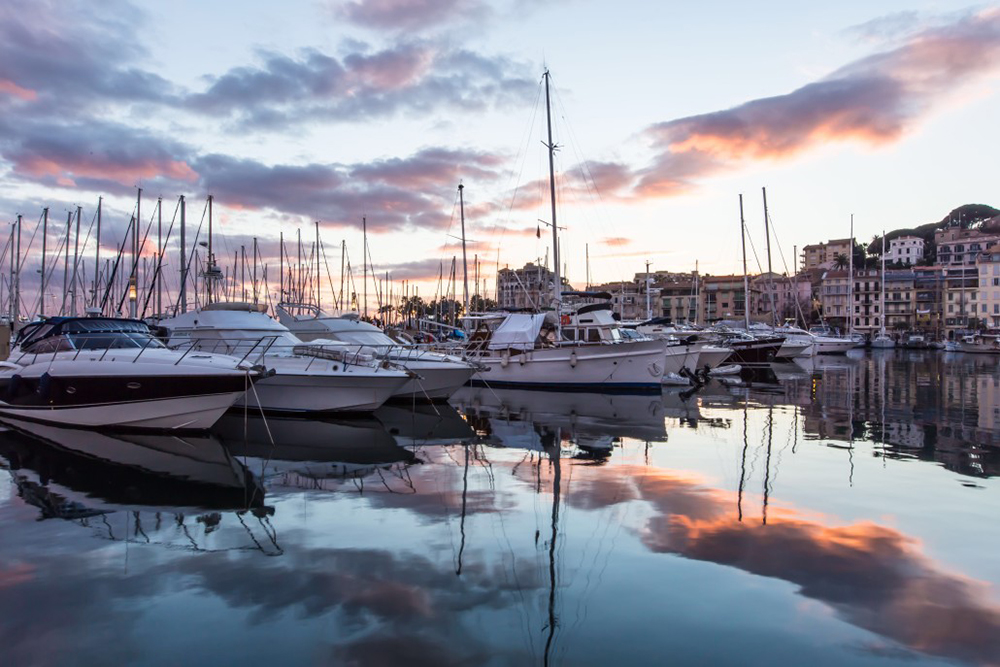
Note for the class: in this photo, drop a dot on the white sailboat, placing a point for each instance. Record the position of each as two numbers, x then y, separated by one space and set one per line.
579 347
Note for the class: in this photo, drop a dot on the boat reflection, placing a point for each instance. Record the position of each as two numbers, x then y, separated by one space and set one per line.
425 424
111 472
310 453
527 419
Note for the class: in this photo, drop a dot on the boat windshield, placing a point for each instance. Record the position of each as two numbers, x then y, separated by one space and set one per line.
61 334
372 338
113 341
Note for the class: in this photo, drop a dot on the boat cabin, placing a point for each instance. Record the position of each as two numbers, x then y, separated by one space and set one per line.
69 334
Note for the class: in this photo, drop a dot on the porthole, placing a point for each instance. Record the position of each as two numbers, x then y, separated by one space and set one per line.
133 385
70 390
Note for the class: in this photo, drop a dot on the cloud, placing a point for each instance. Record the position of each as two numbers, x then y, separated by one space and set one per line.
874 100
615 241
59 56
410 15
411 77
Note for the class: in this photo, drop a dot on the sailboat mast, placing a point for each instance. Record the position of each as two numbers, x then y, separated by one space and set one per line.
746 281
770 273
552 195
133 280
211 255
882 318
97 253
319 299
16 310
159 255
76 262
343 254
465 260
281 267
364 259
184 268
45 235
850 283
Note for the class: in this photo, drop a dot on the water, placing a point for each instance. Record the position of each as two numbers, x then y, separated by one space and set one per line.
837 512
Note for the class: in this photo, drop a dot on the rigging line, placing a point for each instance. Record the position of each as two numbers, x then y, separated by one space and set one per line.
157 272
586 171
781 253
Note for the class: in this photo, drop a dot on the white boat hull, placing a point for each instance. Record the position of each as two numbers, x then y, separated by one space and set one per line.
435 381
824 345
301 393
183 413
638 365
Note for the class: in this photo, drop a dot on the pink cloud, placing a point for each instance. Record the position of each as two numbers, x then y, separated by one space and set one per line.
8 87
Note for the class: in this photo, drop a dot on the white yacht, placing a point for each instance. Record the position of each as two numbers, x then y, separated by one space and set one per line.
699 354
582 348
308 377
112 373
979 344
438 375
883 341
818 344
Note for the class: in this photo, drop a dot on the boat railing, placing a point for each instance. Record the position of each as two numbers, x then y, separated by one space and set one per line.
257 350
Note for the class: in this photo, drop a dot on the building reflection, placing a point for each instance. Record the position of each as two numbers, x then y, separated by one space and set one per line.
913 404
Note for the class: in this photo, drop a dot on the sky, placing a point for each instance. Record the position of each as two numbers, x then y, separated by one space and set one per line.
338 110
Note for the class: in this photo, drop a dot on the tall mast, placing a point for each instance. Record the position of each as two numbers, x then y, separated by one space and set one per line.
17 278
770 274
649 307
364 259
465 261
587 254
97 253
882 318
45 234
319 299
159 255
184 268
343 253
552 195
298 278
850 283
281 267
255 297
133 280
746 281
10 292
211 256
76 260
69 234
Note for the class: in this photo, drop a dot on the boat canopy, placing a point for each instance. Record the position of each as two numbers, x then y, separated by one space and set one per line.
589 295
519 332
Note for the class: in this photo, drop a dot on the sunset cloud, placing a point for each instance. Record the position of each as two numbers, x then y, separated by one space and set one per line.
874 101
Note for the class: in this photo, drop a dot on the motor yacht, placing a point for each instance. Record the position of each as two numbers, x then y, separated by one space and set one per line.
438 376
979 344
308 377
580 348
112 373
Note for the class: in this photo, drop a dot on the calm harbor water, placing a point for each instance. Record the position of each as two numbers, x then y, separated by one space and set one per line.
838 511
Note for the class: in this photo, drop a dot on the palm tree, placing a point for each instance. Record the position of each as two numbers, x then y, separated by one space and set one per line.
840 261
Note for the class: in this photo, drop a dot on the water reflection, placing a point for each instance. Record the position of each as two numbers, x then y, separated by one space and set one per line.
818 512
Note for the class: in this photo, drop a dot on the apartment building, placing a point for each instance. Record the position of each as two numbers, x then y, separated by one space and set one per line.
775 297
988 265
834 298
928 299
899 300
961 302
527 287
866 301
905 250
961 247
722 298
823 255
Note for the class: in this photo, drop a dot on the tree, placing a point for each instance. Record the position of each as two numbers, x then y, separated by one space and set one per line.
841 261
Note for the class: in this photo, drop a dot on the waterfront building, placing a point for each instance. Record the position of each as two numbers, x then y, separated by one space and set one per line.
723 298
961 247
824 255
834 298
928 296
527 287
866 301
899 300
961 303
905 250
988 265
679 296
785 297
